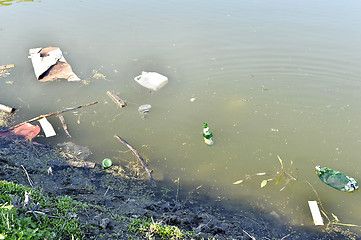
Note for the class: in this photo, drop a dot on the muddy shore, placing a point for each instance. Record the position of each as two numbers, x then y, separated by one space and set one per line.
134 197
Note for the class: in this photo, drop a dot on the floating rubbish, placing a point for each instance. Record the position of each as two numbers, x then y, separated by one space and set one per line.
316 214
207 135
25 131
144 109
3 70
47 127
3 67
74 151
116 99
151 80
49 64
337 179
7 109
107 163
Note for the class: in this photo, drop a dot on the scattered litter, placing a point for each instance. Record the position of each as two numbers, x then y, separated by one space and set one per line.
192 99
50 171
3 70
23 132
107 163
7 109
316 214
336 179
3 67
49 64
48 115
74 151
47 127
152 80
144 109
207 135
98 75
116 99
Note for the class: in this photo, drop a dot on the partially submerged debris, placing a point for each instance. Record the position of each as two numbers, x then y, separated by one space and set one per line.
336 179
316 214
7 109
3 67
74 151
49 64
26 131
144 110
116 99
151 80
139 157
3 70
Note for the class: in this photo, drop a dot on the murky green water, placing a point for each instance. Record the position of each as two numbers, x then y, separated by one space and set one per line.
270 78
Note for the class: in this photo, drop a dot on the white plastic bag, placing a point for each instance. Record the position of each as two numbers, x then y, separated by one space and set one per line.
151 80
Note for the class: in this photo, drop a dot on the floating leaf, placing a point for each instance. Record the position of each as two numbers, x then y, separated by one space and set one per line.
238 182
264 183
281 161
278 179
261 174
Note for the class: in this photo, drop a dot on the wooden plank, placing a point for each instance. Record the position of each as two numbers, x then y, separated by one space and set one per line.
116 99
315 211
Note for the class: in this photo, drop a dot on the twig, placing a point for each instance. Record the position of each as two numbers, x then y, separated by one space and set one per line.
65 127
286 236
139 157
253 238
51 114
31 184
191 192
106 191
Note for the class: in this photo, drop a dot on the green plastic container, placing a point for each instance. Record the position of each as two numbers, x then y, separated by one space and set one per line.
336 179
107 163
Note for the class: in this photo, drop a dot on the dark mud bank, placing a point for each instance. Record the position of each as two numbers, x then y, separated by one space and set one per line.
134 198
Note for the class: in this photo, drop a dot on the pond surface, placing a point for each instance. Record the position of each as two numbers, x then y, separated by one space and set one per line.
269 77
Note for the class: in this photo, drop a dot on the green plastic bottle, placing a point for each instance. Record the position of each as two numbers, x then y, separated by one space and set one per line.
336 179
207 135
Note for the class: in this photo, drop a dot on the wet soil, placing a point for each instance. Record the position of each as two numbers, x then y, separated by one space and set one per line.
122 193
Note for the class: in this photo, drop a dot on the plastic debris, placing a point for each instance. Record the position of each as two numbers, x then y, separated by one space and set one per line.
47 127
107 163
316 214
151 80
207 135
49 64
23 132
144 109
336 179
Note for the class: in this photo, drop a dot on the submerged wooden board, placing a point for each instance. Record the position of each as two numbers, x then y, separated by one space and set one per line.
116 99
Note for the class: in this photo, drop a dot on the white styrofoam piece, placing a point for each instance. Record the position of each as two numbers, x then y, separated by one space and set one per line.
316 214
47 127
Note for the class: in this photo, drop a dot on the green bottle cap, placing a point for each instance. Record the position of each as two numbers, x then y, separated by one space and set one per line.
107 163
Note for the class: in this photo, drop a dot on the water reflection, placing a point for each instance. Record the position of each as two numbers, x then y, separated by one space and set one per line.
10 2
